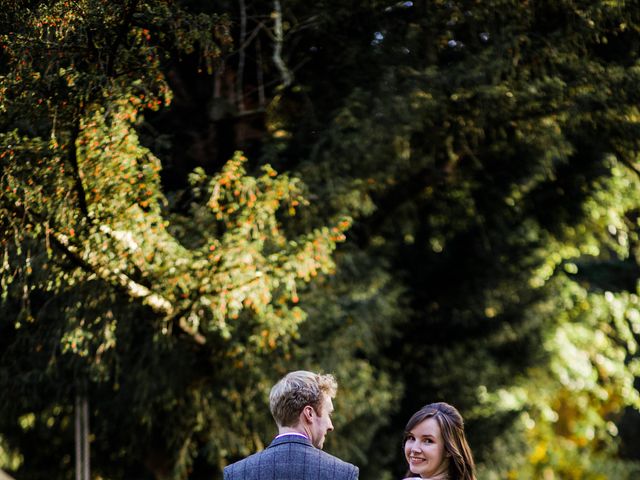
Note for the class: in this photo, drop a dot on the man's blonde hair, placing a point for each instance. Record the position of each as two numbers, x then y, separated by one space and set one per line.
295 391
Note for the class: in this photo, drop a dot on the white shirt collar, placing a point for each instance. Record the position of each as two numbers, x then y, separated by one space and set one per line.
292 433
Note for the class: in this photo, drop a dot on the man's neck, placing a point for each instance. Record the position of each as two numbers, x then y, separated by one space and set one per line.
293 431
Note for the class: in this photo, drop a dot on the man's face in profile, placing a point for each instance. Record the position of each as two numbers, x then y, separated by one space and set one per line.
321 422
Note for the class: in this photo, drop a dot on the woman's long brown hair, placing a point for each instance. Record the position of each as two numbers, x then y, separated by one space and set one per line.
461 464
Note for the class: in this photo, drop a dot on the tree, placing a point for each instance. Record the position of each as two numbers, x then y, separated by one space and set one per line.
490 162
166 317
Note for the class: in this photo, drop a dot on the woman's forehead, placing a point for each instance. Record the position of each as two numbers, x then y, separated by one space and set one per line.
429 426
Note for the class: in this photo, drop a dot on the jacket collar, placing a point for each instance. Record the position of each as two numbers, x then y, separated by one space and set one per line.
290 439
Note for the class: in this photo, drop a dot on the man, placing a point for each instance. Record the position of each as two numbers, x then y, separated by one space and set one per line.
301 404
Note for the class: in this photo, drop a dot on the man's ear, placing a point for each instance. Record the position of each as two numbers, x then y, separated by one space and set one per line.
308 413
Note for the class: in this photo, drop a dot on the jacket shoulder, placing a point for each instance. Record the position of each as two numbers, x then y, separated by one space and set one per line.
247 468
238 470
340 469
301 463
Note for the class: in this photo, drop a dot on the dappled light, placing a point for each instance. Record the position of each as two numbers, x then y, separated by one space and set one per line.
433 201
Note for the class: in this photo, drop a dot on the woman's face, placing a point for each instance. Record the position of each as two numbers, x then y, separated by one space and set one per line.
424 449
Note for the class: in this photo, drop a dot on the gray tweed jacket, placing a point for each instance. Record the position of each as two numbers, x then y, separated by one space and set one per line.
291 457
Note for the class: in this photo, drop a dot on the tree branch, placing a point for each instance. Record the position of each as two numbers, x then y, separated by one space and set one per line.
130 287
277 49
134 289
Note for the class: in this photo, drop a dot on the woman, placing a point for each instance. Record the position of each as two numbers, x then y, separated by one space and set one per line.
435 446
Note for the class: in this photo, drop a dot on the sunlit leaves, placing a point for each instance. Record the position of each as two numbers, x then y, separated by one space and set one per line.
104 281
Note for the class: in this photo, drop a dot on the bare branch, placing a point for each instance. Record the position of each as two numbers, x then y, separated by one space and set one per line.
287 78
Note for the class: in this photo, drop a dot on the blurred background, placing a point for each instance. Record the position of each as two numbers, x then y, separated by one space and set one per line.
432 200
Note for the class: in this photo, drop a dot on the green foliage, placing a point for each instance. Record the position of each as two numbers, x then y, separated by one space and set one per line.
486 152
492 165
171 316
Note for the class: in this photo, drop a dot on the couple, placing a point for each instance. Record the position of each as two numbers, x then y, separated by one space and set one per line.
301 403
